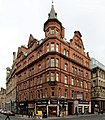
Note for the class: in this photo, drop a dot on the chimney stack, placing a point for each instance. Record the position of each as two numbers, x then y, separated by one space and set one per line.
14 56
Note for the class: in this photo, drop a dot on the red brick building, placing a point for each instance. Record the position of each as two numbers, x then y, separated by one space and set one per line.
53 75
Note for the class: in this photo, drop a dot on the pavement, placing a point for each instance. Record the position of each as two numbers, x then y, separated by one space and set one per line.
71 117
50 118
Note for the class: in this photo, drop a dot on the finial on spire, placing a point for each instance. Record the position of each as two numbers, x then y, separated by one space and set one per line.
52 2
52 14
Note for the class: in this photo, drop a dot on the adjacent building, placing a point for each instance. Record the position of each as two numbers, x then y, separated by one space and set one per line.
97 86
11 86
53 75
2 98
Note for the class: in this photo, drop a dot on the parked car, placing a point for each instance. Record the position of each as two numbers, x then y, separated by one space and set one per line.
0 110
3 111
10 113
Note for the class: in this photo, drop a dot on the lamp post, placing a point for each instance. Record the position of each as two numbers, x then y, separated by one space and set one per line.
11 105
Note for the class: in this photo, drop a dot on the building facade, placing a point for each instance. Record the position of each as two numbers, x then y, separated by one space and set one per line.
11 86
2 98
97 86
53 75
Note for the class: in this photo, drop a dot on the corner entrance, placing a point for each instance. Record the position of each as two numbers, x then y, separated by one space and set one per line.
70 108
52 111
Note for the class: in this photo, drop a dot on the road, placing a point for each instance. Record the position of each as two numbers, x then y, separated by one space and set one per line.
79 117
83 117
2 117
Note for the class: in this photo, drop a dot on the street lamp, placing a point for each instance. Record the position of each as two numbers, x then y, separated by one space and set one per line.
11 104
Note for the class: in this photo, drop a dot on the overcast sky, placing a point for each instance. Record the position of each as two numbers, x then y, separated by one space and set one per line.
20 18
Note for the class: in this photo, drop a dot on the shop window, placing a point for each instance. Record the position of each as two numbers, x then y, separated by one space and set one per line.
86 109
80 109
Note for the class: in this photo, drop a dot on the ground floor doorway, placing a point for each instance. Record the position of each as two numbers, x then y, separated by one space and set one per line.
70 108
52 111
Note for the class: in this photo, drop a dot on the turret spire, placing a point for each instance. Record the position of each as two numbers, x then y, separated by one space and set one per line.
52 2
52 14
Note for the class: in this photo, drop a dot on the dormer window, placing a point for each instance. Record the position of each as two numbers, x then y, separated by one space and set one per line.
52 32
56 32
77 47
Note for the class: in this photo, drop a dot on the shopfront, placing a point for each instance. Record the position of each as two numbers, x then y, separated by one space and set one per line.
41 105
23 108
84 107
31 107
52 107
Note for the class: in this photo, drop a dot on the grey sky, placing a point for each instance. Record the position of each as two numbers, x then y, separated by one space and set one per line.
20 18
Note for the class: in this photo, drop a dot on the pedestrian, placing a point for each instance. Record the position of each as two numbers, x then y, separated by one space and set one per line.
101 111
76 111
7 118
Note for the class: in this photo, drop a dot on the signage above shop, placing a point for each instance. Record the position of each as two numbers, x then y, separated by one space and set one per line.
63 101
83 102
42 102
53 101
